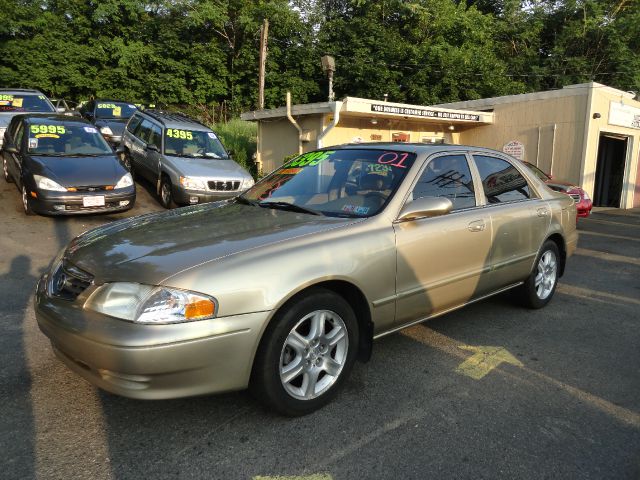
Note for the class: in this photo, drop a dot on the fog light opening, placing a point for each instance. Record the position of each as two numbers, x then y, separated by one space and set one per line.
59 207
193 199
124 203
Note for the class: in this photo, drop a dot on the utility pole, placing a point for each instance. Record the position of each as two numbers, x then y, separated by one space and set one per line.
264 33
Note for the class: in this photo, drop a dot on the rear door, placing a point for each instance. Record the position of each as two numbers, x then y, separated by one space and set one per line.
442 261
519 219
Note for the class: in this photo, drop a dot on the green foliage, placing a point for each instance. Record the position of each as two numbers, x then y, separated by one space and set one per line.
240 138
204 53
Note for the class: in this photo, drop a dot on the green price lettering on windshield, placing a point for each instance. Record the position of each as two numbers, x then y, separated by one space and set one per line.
310 159
58 129
6 98
181 134
106 105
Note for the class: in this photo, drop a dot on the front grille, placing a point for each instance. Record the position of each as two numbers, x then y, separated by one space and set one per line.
224 185
81 208
68 281
93 188
575 196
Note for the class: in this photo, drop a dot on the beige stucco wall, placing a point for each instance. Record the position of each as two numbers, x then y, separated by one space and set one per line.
551 129
600 103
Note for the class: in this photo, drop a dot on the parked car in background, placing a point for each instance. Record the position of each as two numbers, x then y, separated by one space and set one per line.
282 288
19 100
66 107
109 116
182 157
62 165
584 203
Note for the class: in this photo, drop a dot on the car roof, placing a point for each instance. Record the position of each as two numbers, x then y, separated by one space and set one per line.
21 91
175 120
101 100
418 148
52 118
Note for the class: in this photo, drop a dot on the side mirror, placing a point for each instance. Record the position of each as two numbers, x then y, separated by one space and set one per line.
425 207
10 149
61 109
151 146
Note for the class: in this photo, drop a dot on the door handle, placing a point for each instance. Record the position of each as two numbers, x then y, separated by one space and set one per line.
476 226
543 212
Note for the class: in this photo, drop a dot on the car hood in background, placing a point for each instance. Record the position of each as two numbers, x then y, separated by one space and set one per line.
115 124
561 186
150 248
208 167
78 171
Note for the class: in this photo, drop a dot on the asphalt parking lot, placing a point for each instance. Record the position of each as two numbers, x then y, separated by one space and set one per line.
490 391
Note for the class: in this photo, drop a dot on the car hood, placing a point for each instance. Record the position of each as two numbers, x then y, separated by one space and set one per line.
561 186
79 171
208 168
153 247
115 124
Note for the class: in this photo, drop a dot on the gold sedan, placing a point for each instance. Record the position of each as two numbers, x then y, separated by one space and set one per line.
282 288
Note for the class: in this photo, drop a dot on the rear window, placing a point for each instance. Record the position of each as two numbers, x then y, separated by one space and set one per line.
10 102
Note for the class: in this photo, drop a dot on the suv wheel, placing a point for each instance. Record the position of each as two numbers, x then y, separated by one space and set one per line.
540 286
166 197
5 171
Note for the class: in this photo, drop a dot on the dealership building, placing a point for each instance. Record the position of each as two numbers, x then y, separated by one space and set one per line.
588 134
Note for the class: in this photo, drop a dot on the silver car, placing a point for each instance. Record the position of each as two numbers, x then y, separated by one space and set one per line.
282 288
182 157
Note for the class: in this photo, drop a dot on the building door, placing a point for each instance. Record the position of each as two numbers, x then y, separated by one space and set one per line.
610 168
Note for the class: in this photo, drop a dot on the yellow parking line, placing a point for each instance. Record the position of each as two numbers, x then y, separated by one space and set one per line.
608 235
609 222
484 360
594 294
611 257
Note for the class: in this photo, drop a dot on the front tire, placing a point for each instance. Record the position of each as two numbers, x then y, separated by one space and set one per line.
26 201
306 353
166 193
541 284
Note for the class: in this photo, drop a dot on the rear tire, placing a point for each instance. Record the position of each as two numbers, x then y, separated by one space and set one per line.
5 171
306 353
541 284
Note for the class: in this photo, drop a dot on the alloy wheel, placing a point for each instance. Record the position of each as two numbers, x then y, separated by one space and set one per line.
314 354
547 274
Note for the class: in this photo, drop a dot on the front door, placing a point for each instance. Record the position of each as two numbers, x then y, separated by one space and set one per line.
442 261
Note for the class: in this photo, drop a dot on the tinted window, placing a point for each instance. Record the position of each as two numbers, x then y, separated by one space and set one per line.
18 136
55 138
133 123
448 177
156 136
192 143
143 132
501 181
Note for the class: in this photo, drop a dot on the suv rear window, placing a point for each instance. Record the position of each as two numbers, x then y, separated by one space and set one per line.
10 102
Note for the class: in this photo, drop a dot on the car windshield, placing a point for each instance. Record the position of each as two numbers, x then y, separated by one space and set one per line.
193 144
538 173
335 183
114 110
65 140
24 103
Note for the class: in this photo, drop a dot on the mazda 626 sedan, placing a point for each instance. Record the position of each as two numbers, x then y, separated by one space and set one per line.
282 288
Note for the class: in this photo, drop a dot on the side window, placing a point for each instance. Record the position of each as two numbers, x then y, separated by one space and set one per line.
502 182
133 123
143 132
156 136
447 176
18 136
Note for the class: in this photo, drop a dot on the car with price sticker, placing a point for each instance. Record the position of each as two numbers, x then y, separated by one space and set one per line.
62 165
14 101
182 157
281 289
109 116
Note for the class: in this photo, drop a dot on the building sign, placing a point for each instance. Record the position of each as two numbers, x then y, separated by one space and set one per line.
624 115
400 137
515 149
376 137
423 113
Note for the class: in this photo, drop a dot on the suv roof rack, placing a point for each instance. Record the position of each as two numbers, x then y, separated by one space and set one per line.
164 115
26 90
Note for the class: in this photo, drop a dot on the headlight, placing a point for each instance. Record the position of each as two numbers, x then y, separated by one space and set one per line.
191 183
44 183
248 183
125 181
150 305
106 131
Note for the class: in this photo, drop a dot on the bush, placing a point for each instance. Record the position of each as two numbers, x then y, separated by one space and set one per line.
241 138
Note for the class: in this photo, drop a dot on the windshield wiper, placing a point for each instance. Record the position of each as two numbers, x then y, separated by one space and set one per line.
290 206
246 201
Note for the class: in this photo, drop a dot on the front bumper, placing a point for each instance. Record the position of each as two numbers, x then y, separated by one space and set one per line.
150 361
191 197
68 203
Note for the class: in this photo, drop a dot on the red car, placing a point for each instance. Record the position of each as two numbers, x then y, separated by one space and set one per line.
582 199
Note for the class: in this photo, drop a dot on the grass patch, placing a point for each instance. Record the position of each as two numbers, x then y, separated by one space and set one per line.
241 138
